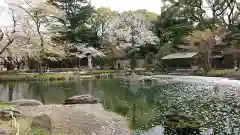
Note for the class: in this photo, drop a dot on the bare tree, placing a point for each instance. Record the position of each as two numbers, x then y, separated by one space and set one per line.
226 12
204 41
35 21
9 36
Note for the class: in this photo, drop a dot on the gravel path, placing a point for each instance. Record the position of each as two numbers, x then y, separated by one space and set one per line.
80 119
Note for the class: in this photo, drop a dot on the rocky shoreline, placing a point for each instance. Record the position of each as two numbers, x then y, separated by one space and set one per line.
84 117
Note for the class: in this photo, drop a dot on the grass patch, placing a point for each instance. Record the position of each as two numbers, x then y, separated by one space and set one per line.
37 132
4 104
217 73
97 72
24 127
29 132
22 76
9 72
32 77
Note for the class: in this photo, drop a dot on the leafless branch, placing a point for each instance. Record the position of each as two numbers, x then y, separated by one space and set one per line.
10 37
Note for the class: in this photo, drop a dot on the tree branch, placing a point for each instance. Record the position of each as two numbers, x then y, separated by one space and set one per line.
10 39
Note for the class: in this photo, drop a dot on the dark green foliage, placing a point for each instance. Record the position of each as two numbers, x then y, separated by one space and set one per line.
233 36
170 28
77 28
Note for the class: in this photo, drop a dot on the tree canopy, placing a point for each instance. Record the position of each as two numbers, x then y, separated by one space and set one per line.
40 28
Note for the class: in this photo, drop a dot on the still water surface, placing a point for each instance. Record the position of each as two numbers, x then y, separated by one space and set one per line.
213 102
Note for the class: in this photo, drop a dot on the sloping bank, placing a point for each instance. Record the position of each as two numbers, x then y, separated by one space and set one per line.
227 73
88 118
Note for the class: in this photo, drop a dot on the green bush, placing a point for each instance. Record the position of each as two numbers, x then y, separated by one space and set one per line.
34 131
217 73
38 132
20 76
103 71
4 104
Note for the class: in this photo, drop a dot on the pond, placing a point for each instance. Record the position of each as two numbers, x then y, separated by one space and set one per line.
145 104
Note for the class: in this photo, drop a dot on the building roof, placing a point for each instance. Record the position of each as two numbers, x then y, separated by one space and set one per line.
180 55
217 56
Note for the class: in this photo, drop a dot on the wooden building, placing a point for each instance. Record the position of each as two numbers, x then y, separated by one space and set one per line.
181 62
191 61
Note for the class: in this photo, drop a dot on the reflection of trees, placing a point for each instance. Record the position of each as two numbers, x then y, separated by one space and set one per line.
70 88
46 91
125 101
40 87
10 90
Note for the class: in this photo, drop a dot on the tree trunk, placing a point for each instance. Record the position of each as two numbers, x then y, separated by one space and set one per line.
90 62
9 64
209 57
40 68
10 92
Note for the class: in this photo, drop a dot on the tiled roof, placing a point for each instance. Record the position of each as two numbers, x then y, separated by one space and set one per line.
180 55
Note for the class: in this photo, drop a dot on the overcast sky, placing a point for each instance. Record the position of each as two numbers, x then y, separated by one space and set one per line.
119 5
123 5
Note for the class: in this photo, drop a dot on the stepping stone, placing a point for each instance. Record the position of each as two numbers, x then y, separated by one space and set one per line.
3 131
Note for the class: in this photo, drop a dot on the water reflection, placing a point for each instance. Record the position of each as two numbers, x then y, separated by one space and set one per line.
146 104
47 92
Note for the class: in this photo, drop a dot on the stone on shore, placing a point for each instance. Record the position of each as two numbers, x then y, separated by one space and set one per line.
6 113
42 122
81 99
26 102
3 131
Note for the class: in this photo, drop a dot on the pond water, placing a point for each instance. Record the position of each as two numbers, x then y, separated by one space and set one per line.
213 102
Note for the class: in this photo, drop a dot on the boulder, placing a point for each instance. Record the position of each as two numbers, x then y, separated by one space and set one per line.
3 131
81 99
26 102
42 122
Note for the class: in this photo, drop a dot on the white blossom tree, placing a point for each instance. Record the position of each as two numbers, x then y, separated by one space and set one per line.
85 51
102 18
131 30
29 35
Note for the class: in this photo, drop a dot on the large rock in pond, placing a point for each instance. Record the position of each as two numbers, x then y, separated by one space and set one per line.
81 99
42 122
26 102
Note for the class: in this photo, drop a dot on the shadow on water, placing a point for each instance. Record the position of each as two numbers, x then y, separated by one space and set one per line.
147 105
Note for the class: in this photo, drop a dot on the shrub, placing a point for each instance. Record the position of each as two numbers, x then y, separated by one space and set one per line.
217 73
38 132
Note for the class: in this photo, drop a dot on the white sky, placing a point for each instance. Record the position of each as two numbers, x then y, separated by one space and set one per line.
119 5
5 19
123 5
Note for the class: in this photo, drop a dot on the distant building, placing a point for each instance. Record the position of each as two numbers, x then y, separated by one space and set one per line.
189 61
181 62
121 62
